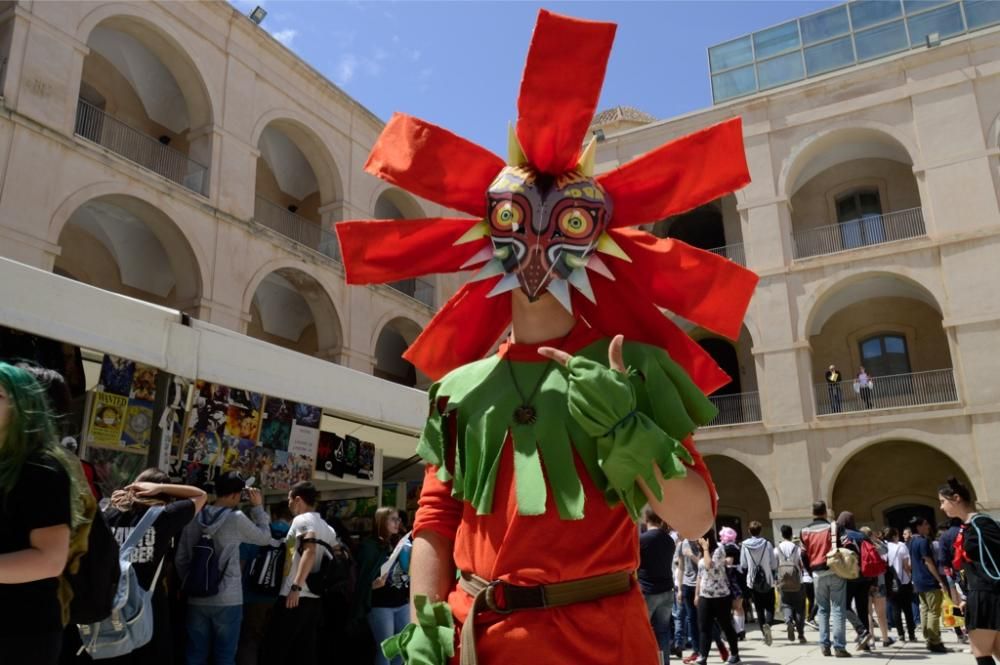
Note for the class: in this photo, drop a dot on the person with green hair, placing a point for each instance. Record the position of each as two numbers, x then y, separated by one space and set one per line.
40 504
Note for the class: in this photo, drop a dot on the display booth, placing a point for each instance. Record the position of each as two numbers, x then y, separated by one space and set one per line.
153 387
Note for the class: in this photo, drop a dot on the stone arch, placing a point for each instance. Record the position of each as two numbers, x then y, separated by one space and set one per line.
742 348
298 127
170 42
289 307
845 285
403 202
863 483
844 135
125 243
392 337
743 496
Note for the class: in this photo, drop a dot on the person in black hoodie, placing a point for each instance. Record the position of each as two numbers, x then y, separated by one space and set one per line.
977 557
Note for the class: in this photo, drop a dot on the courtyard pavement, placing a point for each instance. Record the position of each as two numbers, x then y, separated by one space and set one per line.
754 651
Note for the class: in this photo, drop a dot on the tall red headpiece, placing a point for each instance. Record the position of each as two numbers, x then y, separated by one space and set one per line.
624 294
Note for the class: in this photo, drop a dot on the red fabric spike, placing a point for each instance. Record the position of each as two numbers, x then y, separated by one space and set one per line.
560 87
625 308
380 251
433 163
448 341
678 176
702 287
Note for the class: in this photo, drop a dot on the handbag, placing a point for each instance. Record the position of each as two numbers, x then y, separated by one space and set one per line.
841 561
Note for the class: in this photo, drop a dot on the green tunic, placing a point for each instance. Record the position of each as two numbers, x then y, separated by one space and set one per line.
619 425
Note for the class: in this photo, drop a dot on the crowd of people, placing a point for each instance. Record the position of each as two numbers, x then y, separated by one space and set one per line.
219 585
885 583
212 584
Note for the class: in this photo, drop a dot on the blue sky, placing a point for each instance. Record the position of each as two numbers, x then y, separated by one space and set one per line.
458 64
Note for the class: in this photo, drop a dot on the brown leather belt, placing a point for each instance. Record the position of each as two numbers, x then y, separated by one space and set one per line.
503 598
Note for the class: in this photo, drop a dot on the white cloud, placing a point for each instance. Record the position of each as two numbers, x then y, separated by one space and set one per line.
286 36
345 68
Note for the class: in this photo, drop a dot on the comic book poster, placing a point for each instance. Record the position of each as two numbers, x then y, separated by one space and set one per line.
107 420
351 451
330 454
307 415
366 460
143 383
358 515
276 427
138 426
116 375
114 469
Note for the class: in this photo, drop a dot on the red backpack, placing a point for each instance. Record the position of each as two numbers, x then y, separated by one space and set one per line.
872 563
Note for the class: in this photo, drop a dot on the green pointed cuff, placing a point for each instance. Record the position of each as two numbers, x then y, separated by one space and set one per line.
629 443
430 641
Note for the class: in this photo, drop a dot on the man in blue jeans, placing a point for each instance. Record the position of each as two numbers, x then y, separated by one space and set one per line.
831 591
213 621
656 578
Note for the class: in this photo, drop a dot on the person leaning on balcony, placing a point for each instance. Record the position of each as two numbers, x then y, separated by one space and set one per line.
865 383
833 387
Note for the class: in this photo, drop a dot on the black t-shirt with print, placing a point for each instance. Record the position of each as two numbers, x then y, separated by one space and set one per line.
158 540
40 499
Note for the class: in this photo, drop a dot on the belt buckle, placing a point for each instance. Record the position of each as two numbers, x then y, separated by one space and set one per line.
491 602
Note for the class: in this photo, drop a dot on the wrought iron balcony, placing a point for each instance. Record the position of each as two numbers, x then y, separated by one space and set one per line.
416 288
736 409
296 228
733 252
864 232
887 392
103 129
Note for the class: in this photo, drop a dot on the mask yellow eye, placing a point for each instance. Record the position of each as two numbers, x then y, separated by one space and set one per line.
576 223
506 215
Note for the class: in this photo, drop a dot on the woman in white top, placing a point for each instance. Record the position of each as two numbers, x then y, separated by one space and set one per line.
865 385
715 598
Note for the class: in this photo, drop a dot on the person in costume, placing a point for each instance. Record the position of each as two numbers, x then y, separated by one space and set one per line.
541 456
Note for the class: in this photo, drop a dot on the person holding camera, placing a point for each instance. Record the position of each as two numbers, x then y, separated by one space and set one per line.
208 562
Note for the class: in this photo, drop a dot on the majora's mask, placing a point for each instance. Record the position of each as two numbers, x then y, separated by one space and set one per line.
545 229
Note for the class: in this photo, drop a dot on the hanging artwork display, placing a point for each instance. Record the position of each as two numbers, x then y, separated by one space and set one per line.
107 420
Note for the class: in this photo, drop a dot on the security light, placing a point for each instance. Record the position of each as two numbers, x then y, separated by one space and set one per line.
933 39
258 14
599 133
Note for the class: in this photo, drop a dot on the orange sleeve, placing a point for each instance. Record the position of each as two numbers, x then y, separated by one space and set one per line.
438 510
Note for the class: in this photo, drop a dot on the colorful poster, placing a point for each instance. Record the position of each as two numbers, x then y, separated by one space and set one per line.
390 494
276 428
143 383
107 420
303 441
138 426
358 515
116 375
366 461
307 415
351 452
114 469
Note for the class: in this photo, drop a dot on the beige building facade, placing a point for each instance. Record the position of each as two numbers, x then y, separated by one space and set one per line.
176 153
872 219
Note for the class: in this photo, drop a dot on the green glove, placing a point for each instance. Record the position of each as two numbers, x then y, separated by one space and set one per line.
430 641
602 401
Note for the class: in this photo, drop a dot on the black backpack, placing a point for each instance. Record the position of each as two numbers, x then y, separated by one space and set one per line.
95 581
337 577
264 574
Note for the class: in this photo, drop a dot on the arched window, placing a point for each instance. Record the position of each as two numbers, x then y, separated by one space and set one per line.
859 214
885 354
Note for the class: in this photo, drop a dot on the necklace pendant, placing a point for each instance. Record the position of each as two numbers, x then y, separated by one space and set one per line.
525 415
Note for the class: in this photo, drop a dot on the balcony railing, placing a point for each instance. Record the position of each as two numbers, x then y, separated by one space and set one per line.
737 409
887 392
103 129
296 228
419 289
733 252
864 232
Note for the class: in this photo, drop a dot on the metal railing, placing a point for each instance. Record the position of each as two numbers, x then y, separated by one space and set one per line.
736 409
296 228
103 129
887 392
733 252
864 232
416 288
